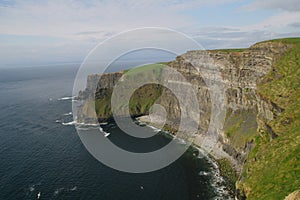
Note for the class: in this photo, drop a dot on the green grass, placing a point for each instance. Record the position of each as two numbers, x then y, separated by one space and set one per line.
229 50
272 170
227 172
293 41
150 68
103 108
240 127
142 98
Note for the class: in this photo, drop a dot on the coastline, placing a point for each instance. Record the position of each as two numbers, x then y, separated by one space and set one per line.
216 151
225 167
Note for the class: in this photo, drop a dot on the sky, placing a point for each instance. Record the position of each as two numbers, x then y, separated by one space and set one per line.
41 32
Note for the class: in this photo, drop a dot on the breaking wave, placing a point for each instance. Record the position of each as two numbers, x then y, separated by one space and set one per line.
67 114
69 123
66 98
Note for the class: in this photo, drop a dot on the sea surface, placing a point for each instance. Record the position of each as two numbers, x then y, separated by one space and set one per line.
38 154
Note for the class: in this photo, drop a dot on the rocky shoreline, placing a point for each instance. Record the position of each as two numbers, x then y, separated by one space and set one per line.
216 154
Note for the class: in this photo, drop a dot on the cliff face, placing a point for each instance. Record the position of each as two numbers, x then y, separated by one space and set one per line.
142 99
250 111
86 112
240 71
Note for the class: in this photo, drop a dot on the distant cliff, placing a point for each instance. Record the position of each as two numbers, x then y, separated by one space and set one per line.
261 131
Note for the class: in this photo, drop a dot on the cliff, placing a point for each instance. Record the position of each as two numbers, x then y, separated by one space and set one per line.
261 132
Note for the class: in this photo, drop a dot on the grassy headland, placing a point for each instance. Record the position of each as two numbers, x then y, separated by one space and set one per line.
272 170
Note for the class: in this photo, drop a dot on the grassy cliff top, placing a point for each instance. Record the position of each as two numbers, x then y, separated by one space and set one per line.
272 170
294 41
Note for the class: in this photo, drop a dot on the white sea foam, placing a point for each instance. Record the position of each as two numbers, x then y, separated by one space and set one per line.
154 128
66 98
180 140
85 128
69 123
67 114
31 188
73 188
104 133
218 182
57 191
79 124
86 124
203 173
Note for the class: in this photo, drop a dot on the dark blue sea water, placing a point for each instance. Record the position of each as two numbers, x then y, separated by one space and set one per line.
38 154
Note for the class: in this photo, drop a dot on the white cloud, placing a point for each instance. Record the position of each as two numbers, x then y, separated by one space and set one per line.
80 25
286 14
286 5
67 18
281 20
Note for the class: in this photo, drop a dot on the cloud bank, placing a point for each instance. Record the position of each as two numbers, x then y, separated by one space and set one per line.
65 31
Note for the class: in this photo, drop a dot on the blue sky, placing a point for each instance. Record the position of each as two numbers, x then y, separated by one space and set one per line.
47 32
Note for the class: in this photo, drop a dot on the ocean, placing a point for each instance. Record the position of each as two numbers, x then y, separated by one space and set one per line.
41 155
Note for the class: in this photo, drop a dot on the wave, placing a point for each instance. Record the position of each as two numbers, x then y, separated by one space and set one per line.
85 128
34 187
156 130
78 123
58 190
104 132
69 123
218 181
66 98
73 188
180 140
67 114
31 188
85 124
203 173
